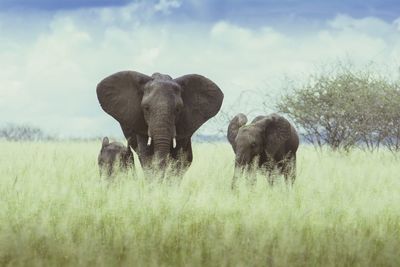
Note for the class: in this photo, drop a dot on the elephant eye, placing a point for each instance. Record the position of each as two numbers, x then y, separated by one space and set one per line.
253 144
178 107
146 107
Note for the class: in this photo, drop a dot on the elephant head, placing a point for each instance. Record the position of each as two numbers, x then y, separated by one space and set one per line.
266 135
114 153
159 107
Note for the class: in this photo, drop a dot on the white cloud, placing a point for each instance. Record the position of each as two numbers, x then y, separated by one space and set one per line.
397 24
165 6
49 77
368 25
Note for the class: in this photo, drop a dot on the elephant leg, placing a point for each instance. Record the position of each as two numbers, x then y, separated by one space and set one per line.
270 176
127 161
268 165
288 169
251 172
264 163
234 180
182 156
144 151
109 170
187 156
132 142
292 171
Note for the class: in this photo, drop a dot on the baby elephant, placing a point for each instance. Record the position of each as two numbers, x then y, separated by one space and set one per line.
114 153
271 140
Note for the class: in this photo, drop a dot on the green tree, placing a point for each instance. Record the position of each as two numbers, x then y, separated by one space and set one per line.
344 108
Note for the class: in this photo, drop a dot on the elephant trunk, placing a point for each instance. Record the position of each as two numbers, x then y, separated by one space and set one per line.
241 167
162 138
243 163
243 159
162 144
238 171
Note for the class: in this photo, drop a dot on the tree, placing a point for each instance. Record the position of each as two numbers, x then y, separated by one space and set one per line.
390 125
344 108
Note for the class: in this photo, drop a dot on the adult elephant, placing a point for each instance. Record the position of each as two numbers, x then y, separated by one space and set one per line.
158 114
270 139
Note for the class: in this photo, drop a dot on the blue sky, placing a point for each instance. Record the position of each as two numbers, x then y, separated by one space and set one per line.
236 10
53 53
59 5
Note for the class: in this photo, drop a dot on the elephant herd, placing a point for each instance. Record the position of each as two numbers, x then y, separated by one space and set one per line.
158 116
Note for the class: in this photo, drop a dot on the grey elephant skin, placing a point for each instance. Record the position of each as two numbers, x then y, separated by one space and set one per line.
158 114
114 156
268 142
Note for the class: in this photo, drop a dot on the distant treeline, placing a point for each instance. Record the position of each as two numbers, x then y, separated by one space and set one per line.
25 132
14 132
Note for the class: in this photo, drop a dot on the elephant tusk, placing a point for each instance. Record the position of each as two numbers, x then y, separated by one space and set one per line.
149 141
174 142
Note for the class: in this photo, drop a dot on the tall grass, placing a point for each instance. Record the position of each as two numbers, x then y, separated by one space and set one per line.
344 210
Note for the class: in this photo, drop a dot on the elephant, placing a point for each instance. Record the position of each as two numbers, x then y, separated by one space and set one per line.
268 142
159 114
114 153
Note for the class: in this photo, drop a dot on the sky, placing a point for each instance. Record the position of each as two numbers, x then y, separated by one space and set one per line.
53 53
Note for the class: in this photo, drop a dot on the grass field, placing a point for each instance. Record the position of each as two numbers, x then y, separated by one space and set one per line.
344 210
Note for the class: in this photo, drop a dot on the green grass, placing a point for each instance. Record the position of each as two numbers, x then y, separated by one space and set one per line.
344 210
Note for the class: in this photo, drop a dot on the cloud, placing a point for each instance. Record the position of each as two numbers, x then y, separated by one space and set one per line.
49 74
165 6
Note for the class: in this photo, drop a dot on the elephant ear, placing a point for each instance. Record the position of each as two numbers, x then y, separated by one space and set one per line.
202 100
277 131
258 118
120 95
238 121
105 142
